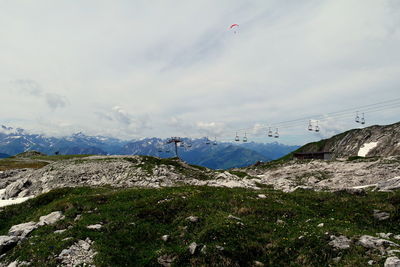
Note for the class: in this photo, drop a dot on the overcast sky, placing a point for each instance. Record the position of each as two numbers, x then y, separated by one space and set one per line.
132 69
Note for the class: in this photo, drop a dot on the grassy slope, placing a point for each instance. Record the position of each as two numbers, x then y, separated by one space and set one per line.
36 162
135 219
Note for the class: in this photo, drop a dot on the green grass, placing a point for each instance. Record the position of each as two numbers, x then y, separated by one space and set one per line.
12 163
135 219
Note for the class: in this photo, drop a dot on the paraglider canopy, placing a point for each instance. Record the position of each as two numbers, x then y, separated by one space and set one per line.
234 27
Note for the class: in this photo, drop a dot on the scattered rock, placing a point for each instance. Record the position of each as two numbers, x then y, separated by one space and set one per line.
78 217
261 196
396 237
393 252
381 215
94 227
22 230
79 254
279 221
7 242
192 219
166 260
337 259
320 225
60 231
51 218
392 262
192 248
18 264
340 242
258 263
230 216
383 235
371 242
220 248
165 238
371 262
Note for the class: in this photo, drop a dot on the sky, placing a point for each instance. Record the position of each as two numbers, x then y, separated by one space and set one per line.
133 69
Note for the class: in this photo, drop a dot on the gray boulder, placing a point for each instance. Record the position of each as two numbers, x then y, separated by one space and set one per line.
340 242
392 262
22 230
51 218
13 189
371 242
7 242
381 215
166 260
391 184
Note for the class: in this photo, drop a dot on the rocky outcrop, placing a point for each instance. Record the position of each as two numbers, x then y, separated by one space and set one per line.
385 140
79 254
21 231
338 175
118 171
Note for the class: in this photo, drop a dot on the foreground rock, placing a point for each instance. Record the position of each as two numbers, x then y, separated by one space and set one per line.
7 242
79 254
392 262
371 242
22 230
340 242
51 218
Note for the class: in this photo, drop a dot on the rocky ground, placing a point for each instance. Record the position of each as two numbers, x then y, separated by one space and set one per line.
136 171
116 171
374 173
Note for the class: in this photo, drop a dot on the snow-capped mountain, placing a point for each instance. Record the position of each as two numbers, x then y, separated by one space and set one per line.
220 156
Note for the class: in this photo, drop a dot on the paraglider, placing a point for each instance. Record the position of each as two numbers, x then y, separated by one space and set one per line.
234 28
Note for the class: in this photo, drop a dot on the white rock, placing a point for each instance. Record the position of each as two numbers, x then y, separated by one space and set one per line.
371 262
192 247
381 215
94 226
375 243
396 237
392 262
261 196
51 218
165 238
22 230
230 216
340 242
383 235
7 242
320 225
60 231
192 219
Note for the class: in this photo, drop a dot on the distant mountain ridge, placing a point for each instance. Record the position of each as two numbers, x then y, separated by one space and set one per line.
221 156
371 141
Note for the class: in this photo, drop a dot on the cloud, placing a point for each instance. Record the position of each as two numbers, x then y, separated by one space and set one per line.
175 69
33 88
27 86
55 101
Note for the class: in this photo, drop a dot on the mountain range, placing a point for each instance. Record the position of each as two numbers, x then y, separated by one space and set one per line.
220 156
